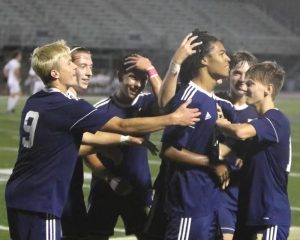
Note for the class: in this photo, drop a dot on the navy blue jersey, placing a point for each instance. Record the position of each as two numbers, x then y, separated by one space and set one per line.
51 130
263 189
133 163
244 114
192 190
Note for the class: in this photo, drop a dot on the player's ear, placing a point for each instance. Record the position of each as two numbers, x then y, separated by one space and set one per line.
204 61
54 73
269 90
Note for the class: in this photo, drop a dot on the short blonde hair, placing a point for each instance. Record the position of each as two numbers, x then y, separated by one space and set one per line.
268 72
47 57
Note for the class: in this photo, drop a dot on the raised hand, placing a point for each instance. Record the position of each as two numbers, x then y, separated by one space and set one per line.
185 116
137 61
185 49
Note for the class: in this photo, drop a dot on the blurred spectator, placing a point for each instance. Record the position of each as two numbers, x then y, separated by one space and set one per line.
34 82
13 74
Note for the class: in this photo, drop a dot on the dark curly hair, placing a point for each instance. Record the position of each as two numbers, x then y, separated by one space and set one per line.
190 67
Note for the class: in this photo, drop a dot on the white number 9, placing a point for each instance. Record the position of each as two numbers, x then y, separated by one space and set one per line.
29 126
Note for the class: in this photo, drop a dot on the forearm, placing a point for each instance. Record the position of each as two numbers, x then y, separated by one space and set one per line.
237 131
101 138
168 88
92 142
94 163
183 116
154 80
139 125
85 150
185 156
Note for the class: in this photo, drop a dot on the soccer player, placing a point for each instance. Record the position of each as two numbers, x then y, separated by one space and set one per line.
74 217
12 71
156 220
51 130
126 191
264 210
240 62
50 134
192 191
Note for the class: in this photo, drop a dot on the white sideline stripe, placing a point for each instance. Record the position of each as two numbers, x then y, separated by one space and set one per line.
296 209
4 228
9 149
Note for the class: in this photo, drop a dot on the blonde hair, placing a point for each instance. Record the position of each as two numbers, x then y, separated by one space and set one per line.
268 72
47 57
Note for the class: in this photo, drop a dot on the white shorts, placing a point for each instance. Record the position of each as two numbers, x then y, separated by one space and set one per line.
14 87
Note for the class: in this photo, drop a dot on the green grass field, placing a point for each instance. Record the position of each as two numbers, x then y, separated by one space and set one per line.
9 124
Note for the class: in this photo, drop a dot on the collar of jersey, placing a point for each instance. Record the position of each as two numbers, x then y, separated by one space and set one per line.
118 103
50 90
240 107
210 94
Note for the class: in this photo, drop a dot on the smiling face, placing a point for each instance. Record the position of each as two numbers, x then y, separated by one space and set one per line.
217 61
237 81
67 72
84 63
256 92
130 86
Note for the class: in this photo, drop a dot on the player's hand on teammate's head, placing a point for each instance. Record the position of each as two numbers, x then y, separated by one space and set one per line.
137 61
186 48
185 116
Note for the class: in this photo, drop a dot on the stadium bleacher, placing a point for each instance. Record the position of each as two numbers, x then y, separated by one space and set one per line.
155 26
142 24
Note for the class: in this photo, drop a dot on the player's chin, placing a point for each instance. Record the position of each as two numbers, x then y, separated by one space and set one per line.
249 100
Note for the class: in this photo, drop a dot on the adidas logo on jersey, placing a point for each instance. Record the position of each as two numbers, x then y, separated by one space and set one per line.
207 116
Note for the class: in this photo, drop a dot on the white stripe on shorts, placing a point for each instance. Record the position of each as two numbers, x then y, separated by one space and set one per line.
272 233
50 227
184 229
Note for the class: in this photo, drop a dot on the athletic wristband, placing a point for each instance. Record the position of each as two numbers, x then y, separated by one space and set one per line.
151 71
124 138
174 68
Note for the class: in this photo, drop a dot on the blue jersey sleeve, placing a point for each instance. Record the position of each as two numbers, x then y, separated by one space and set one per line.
87 118
266 129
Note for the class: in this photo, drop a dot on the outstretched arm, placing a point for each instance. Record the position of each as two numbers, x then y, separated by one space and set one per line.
168 88
105 138
237 131
186 156
91 142
183 116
